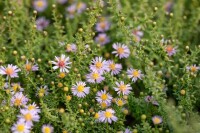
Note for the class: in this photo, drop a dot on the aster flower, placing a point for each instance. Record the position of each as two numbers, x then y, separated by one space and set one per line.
103 25
103 96
80 7
71 47
16 87
114 68
99 65
150 99
62 63
121 50
138 34
170 50
80 90
43 90
21 127
61 1
127 131
94 77
40 5
102 39
122 88
193 68
156 120
47 128
30 66
29 116
42 23
18 99
105 104
11 71
168 6
107 116
120 102
134 74
33 107
71 10
96 116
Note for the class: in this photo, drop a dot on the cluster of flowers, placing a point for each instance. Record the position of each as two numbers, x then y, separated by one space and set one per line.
41 5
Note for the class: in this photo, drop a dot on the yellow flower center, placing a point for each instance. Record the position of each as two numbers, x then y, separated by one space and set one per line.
96 116
104 96
120 103
28 67
9 71
122 87
99 65
103 105
31 107
193 69
17 102
112 66
15 87
47 130
79 5
102 39
108 114
61 75
169 48
20 128
120 50
42 90
103 25
28 117
95 75
156 120
136 73
40 3
69 48
80 88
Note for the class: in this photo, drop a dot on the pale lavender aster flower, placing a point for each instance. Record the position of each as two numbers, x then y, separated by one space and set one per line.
29 116
40 5
42 91
99 65
103 96
11 71
61 1
193 68
114 68
47 128
16 87
71 47
105 104
128 131
62 63
134 74
94 77
80 90
103 25
121 50
138 34
107 116
122 88
156 119
71 11
168 6
42 23
30 66
21 127
18 99
33 107
170 50
80 7
102 39
120 102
